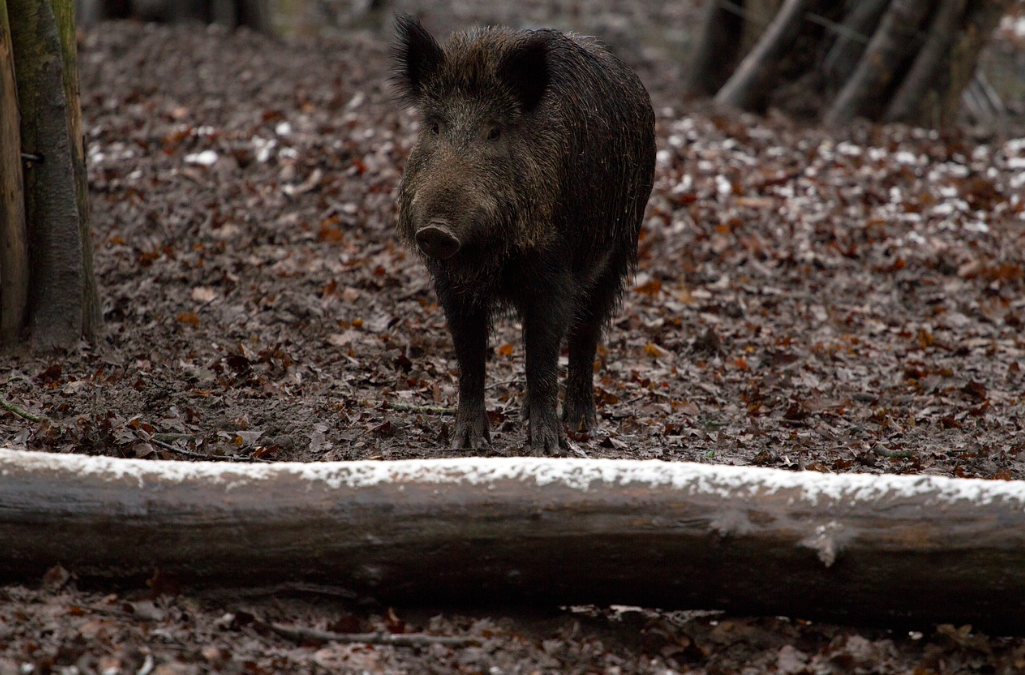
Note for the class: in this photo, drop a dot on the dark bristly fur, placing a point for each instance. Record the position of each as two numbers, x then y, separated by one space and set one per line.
526 188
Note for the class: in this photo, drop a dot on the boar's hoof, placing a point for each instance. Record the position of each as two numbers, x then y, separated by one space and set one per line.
472 434
437 241
579 417
546 438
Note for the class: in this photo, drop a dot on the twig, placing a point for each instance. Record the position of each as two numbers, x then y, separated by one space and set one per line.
837 28
20 412
502 383
739 10
399 640
207 458
169 437
434 409
892 454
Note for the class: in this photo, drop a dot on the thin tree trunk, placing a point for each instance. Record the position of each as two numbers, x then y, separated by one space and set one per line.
673 535
749 84
929 75
982 18
881 62
843 56
757 15
13 242
56 282
256 15
715 50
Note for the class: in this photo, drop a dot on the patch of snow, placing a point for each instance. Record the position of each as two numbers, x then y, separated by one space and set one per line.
726 482
849 149
906 158
204 158
877 154
723 186
1014 146
264 148
1014 25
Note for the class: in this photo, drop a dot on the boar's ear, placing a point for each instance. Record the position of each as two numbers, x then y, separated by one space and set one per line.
525 69
416 56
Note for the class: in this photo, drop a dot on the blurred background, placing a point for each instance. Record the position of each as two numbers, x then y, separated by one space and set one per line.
806 67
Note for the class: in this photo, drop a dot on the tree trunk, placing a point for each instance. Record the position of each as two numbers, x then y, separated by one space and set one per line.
62 298
844 54
13 241
715 52
64 13
981 18
891 44
253 14
885 549
749 83
886 60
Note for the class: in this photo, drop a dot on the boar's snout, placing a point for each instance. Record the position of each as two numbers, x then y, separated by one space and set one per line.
437 241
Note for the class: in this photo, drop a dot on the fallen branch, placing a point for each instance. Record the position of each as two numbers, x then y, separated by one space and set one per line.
394 640
525 530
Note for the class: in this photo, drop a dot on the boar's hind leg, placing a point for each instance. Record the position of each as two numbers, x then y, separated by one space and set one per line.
578 408
544 323
585 332
469 327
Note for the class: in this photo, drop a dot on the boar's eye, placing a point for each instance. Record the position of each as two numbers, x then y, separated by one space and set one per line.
435 126
494 133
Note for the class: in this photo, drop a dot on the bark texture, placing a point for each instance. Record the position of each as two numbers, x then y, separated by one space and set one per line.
58 276
885 549
64 14
13 241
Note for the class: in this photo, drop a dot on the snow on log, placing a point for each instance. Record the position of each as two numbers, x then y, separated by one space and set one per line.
849 547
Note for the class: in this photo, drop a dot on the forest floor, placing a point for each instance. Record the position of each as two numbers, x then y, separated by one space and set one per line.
805 300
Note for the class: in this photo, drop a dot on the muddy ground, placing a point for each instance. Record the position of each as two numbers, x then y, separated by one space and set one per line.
805 300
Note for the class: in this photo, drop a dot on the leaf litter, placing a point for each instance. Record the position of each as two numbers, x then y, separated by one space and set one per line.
805 300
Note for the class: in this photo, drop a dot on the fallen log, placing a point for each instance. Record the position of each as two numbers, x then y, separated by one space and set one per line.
877 548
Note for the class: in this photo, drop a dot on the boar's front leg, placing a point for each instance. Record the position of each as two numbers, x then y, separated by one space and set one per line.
468 324
544 324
